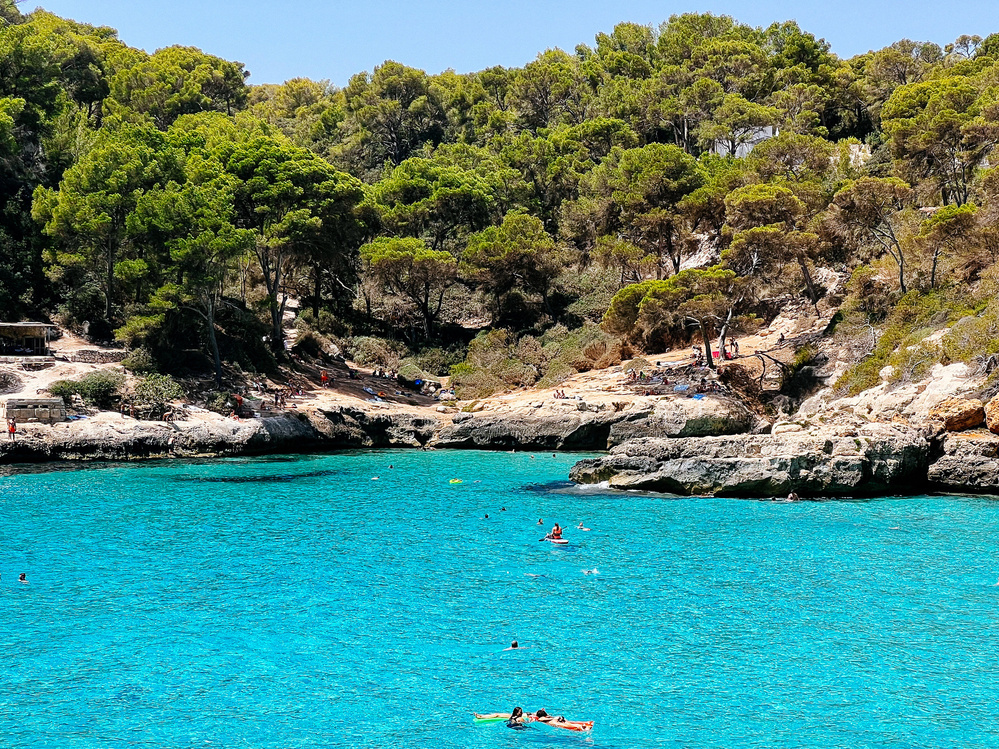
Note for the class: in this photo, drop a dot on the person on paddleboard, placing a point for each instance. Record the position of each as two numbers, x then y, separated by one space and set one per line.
556 532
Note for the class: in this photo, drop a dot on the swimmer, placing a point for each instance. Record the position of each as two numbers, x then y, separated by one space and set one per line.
517 719
540 521
374 478
23 578
487 516
591 572
502 509
580 526
529 574
513 646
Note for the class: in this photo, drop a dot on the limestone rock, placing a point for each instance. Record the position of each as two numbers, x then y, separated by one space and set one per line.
813 464
970 462
958 414
577 425
992 415
685 417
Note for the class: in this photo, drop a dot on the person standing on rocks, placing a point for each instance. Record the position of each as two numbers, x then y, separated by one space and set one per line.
12 429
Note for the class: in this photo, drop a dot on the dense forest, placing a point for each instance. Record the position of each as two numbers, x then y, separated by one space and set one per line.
508 226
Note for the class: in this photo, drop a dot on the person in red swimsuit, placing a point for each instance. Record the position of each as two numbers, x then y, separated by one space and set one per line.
556 531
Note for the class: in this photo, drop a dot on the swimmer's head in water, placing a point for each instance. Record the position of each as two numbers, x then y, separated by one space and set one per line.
514 644
541 713
517 712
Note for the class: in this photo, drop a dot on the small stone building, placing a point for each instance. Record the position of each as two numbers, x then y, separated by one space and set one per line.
41 410
25 338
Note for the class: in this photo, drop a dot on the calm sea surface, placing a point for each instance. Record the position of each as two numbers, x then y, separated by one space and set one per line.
296 602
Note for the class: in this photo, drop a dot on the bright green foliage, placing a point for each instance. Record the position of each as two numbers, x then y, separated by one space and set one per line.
414 271
180 80
292 201
101 388
153 392
635 194
550 90
440 203
939 128
181 208
665 311
89 214
945 233
390 115
518 252
870 210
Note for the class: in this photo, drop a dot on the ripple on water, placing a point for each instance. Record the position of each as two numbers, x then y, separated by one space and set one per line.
294 602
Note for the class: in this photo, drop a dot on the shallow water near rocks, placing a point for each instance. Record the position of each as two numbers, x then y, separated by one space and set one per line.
295 602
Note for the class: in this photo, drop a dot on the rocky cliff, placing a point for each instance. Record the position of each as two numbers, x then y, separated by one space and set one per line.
109 436
880 459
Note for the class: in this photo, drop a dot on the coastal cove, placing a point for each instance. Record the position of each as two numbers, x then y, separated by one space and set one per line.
299 601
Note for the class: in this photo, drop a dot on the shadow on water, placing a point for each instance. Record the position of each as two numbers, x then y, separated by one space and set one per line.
546 487
268 478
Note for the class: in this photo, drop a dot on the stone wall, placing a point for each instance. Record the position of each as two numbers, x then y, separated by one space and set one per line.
91 356
44 410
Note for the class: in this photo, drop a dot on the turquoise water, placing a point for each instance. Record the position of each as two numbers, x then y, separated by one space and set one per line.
296 602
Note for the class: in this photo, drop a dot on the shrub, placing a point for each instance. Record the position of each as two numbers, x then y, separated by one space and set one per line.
913 318
99 389
155 391
369 351
409 373
218 402
973 337
64 389
311 344
437 361
139 360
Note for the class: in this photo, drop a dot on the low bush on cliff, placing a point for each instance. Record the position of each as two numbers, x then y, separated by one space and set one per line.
900 341
497 360
154 392
100 389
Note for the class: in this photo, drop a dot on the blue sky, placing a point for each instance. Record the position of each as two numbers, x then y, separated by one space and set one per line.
335 39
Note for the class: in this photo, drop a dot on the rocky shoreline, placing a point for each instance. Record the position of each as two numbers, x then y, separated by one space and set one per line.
709 446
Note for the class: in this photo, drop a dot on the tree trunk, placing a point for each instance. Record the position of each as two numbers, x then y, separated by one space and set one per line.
724 332
707 343
110 281
809 283
901 272
213 342
317 290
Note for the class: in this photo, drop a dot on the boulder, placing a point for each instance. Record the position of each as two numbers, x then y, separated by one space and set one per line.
992 415
958 414
684 417
969 463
